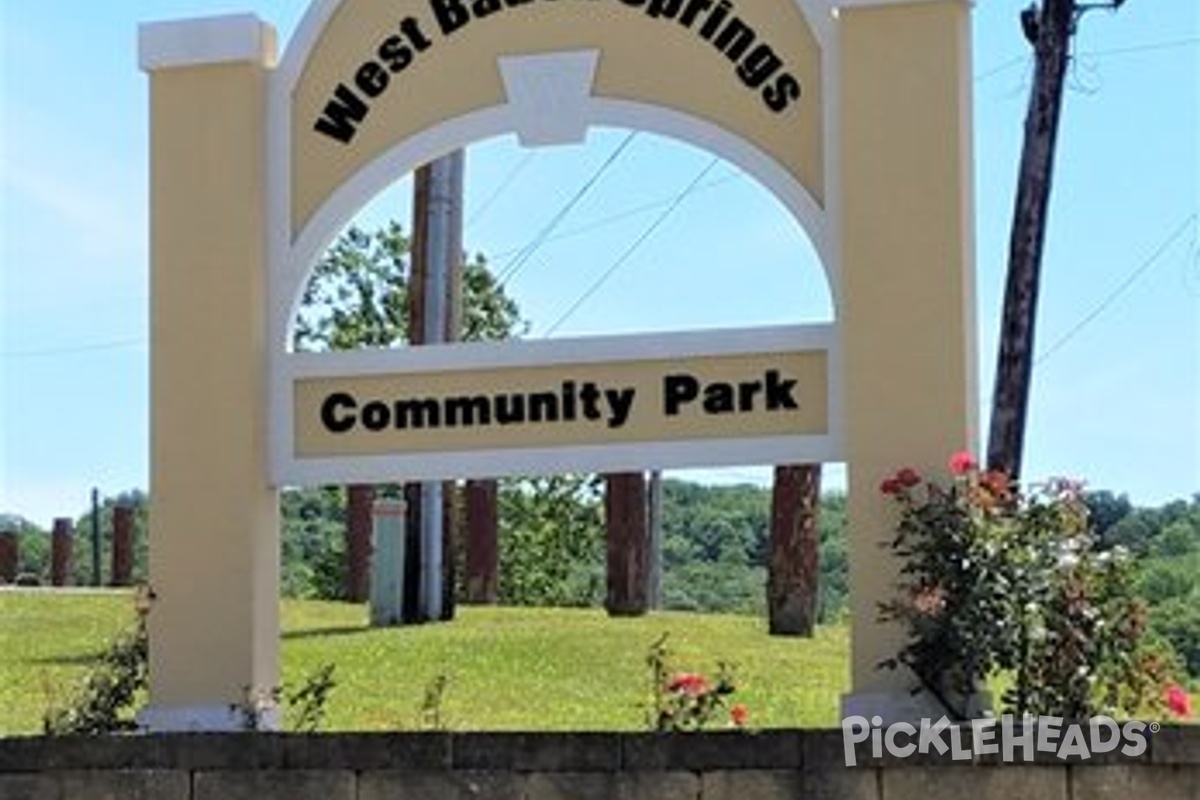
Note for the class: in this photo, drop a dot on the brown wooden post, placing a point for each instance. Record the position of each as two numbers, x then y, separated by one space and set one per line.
794 569
62 543
483 550
10 556
628 545
122 546
359 498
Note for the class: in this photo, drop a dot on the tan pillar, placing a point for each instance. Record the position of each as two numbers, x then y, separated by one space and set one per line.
214 539
906 241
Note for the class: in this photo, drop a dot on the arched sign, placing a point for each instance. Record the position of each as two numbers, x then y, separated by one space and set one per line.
855 114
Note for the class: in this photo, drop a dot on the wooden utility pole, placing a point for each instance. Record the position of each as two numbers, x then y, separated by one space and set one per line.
359 500
1049 29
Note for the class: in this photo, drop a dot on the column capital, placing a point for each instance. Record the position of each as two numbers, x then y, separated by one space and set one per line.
207 40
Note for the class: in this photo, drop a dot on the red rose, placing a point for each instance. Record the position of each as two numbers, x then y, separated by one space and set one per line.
1179 702
890 486
962 462
908 477
689 683
738 715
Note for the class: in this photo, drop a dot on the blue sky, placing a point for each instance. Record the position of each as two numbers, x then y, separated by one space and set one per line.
1116 399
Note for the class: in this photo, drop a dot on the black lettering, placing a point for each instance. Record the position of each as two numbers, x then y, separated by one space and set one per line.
735 40
376 416
746 392
411 27
468 410
418 414
568 401
371 79
450 14
779 393
718 398
395 54
342 115
663 8
678 390
783 93
759 66
510 409
484 8
620 402
333 422
543 407
590 396
694 7
715 20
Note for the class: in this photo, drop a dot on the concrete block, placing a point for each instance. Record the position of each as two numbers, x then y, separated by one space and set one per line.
711 751
218 751
1176 744
571 786
273 785
977 783
757 784
126 785
536 752
658 786
1165 782
439 785
840 783
364 751
29 787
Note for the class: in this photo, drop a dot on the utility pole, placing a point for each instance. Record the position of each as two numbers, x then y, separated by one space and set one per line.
1049 29
654 521
436 255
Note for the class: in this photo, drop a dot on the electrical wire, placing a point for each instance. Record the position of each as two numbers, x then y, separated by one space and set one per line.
514 268
507 181
633 248
1112 297
119 344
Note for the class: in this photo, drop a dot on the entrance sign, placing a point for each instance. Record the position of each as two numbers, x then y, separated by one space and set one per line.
855 114
604 404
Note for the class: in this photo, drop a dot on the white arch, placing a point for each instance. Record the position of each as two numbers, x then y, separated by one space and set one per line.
291 262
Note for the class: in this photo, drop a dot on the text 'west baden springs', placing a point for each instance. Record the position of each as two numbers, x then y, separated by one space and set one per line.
754 61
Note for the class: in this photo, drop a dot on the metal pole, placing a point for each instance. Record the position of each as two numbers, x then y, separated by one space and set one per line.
387 563
654 498
95 537
442 248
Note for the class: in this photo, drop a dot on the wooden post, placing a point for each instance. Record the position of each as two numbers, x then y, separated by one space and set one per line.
62 544
359 499
794 568
122 546
628 545
10 556
483 551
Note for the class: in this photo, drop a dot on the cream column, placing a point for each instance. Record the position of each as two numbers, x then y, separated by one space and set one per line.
214 527
907 248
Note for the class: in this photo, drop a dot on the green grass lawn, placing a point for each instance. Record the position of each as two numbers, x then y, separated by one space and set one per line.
508 668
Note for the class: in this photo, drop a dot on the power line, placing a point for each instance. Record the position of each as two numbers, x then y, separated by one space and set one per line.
1015 61
507 181
646 234
119 344
514 268
1188 224
622 215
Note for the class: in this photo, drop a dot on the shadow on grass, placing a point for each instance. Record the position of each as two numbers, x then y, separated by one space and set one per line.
73 660
322 633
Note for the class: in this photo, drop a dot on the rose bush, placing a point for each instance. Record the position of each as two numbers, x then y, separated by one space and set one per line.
997 580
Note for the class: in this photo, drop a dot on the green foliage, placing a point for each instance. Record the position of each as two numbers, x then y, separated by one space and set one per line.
313 543
994 580
683 701
307 703
432 711
1178 622
551 539
358 296
104 700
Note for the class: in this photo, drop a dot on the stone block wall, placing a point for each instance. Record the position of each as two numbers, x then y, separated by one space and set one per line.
774 765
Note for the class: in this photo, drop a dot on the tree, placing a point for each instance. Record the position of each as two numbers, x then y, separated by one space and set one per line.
1049 29
358 297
